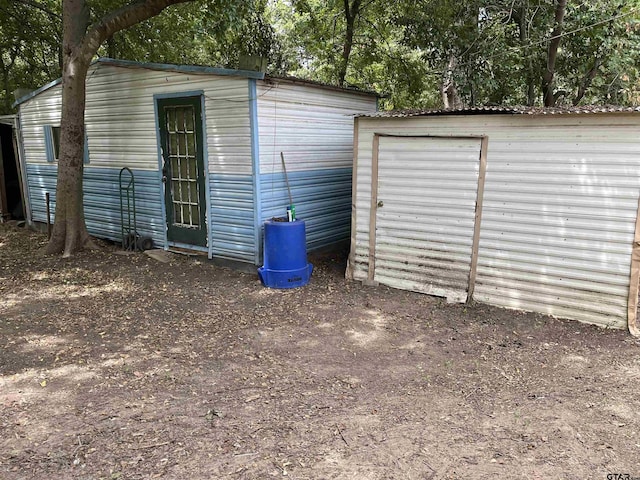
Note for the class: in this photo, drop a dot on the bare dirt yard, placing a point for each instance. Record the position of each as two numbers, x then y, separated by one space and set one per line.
122 367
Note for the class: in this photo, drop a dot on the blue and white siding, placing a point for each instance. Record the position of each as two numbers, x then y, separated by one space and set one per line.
122 132
248 122
101 200
313 128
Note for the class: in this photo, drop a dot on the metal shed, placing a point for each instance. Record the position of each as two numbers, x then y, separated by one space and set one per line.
526 208
215 135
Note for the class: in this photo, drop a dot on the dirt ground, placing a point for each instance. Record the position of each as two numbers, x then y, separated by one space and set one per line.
122 367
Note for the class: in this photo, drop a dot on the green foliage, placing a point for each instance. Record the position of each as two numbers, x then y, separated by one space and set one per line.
30 41
496 50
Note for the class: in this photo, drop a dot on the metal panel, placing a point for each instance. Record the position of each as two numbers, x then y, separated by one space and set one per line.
425 214
322 198
232 233
120 118
101 200
560 204
558 228
312 126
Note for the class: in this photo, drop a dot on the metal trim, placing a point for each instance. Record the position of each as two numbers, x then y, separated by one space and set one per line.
374 206
189 246
30 95
354 192
48 143
255 162
207 180
23 166
161 186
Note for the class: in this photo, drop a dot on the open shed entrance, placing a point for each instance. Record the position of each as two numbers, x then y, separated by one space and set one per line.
426 213
11 206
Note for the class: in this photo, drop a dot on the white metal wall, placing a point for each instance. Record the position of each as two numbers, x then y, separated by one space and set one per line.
559 208
120 118
425 216
44 109
312 126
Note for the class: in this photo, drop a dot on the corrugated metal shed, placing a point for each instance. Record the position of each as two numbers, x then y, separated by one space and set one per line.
556 219
246 119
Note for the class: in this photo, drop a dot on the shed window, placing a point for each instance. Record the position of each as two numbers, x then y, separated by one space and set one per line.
52 143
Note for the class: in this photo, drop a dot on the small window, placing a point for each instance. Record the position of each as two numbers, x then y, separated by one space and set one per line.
52 143
55 135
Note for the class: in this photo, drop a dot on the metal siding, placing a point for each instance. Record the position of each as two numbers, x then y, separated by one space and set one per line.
424 229
560 204
102 200
232 217
312 126
558 228
322 199
34 115
120 118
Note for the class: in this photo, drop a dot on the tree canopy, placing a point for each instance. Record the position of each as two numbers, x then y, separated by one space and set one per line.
421 53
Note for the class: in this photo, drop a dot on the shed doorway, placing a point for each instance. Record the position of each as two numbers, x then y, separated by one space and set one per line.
11 205
425 213
183 175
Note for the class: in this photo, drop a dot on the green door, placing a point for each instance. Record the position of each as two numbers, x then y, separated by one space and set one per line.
181 138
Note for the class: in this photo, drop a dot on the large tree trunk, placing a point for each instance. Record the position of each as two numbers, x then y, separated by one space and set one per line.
78 48
69 230
351 12
548 95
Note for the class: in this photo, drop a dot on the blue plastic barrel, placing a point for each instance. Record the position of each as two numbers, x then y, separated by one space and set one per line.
285 255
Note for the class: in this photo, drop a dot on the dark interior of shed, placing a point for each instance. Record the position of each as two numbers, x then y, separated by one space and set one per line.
10 198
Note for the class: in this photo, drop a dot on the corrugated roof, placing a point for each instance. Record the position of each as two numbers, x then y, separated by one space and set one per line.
328 86
498 110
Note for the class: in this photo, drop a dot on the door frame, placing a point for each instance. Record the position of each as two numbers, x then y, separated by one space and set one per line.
484 144
207 218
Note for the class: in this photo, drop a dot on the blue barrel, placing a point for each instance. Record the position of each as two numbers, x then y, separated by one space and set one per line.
285 255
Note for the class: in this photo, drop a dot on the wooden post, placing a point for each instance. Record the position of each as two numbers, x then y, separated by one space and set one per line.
476 227
47 199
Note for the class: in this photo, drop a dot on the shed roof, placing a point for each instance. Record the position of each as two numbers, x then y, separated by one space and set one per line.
499 110
193 69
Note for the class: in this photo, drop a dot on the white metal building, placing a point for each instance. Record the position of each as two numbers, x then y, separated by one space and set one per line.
534 209
214 137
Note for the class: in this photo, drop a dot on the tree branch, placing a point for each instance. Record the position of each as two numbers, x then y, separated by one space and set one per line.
587 80
122 19
552 53
40 7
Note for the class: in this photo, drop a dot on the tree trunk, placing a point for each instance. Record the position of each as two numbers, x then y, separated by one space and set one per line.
78 48
69 230
351 12
522 17
556 36
448 89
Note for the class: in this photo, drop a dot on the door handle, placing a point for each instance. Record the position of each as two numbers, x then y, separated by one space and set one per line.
380 203
164 179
